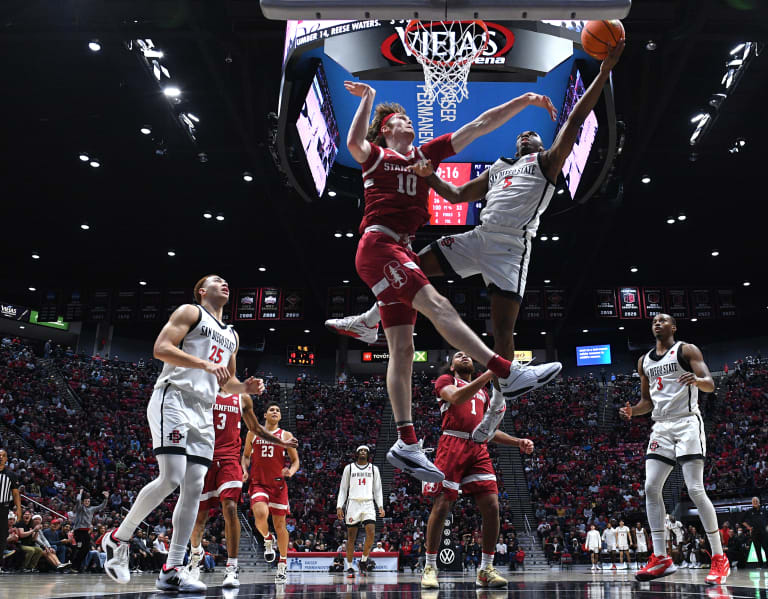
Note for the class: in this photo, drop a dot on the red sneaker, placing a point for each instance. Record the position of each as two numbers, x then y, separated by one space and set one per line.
719 571
656 567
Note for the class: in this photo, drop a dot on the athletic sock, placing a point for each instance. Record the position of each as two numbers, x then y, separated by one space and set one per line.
232 561
432 559
364 558
372 317
407 434
486 561
197 549
715 543
349 564
499 366
176 555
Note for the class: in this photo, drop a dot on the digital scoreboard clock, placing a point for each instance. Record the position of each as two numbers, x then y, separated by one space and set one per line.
300 355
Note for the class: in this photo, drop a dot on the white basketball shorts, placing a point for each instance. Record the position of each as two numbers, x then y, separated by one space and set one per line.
642 547
360 512
611 547
623 547
680 439
181 424
502 259
593 548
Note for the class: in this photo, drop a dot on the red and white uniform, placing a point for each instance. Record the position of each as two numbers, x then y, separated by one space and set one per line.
267 482
225 475
466 464
395 207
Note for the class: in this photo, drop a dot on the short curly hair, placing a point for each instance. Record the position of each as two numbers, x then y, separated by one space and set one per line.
380 113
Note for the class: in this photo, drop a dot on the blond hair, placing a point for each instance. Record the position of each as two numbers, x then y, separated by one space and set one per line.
380 113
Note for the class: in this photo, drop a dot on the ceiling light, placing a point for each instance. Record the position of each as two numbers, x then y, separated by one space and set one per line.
681 217
650 45
716 100
741 142
449 281
694 319
543 332
483 334
734 64
85 226
172 91
621 328
146 130
262 269
547 281
272 329
35 256
415 333
207 214
585 330
95 163
142 283
306 330
331 193
94 46
345 281
698 117
33 288
671 220
555 237
646 179
21 326
515 333
746 283
560 191
247 177
544 237
84 157
737 49
337 234
171 253
219 217
715 253
350 234
633 269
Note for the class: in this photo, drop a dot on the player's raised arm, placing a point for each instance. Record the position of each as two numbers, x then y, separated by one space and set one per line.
645 404
700 377
471 191
458 395
357 144
255 427
554 158
495 117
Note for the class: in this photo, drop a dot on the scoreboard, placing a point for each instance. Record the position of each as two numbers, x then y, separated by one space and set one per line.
441 211
300 355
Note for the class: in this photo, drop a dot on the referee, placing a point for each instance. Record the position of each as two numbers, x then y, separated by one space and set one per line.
9 492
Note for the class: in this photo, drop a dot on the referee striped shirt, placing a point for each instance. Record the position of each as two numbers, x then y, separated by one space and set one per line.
8 482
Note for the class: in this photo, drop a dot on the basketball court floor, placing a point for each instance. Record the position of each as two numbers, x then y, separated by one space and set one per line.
577 583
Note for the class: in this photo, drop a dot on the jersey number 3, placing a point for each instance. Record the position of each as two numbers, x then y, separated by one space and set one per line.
659 384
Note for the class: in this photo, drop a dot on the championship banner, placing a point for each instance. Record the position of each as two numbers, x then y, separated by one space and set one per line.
460 299
49 309
629 302
173 299
73 308
293 304
703 303
124 306
317 561
533 304
726 303
677 302
14 312
554 300
338 302
653 302
151 301
269 303
606 303
362 300
482 304
247 302
101 300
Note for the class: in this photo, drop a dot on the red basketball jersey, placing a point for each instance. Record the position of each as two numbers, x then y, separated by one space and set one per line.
227 414
464 417
267 460
395 197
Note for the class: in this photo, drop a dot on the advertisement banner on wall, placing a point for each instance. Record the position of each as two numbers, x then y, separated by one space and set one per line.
316 561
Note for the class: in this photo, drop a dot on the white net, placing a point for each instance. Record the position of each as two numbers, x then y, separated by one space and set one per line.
446 50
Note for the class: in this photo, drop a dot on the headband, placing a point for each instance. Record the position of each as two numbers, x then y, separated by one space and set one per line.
368 449
386 119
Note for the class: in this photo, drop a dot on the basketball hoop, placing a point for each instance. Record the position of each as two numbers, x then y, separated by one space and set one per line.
446 50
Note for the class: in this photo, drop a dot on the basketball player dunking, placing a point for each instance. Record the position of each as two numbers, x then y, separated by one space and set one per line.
269 487
467 466
671 376
224 480
395 207
360 493
199 353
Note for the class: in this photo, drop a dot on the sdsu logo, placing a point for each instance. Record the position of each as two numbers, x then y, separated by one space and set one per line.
175 436
395 274
653 446
447 242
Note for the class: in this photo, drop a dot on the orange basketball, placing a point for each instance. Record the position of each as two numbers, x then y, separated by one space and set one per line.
598 37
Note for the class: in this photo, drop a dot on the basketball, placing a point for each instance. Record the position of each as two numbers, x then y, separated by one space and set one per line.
598 37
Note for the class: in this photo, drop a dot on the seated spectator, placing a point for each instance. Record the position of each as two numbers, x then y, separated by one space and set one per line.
160 551
214 549
13 557
140 557
338 563
378 548
54 536
500 557
49 553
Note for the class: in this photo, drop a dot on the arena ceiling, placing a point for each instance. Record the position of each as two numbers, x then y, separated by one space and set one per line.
148 195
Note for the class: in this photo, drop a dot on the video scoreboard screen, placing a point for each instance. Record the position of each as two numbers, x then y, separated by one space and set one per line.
592 355
441 211
300 355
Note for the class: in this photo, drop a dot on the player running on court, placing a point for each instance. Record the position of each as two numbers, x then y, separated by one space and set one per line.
360 494
467 466
395 207
265 461
199 352
671 376
224 481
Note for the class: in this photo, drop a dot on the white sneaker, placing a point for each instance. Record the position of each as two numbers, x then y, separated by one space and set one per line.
269 549
683 565
355 327
193 567
412 459
491 419
523 379
230 578
281 575
178 579
116 565
593 568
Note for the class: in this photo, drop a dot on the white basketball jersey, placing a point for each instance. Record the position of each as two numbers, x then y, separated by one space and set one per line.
609 536
361 482
640 535
622 535
670 399
518 193
209 340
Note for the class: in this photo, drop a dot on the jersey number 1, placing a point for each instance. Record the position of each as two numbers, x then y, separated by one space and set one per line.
410 184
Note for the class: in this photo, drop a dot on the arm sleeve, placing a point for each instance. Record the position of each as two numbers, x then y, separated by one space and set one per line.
343 488
378 493
438 149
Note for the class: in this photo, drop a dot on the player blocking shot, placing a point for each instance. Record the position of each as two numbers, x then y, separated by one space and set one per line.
360 498
199 353
671 375
224 481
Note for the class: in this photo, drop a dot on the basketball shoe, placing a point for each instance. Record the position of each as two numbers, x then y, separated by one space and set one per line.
116 565
523 379
657 567
490 577
412 459
350 572
230 577
193 567
719 571
355 327
429 578
177 579
282 573
269 548
491 419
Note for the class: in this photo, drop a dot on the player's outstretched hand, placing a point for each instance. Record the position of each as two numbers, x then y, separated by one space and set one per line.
291 443
687 378
422 168
613 56
526 446
254 386
358 88
626 412
543 102
220 371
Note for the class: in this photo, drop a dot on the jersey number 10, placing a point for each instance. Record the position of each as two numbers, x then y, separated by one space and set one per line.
410 184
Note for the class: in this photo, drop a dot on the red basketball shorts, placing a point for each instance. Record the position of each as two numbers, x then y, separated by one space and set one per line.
223 481
392 271
466 465
275 495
